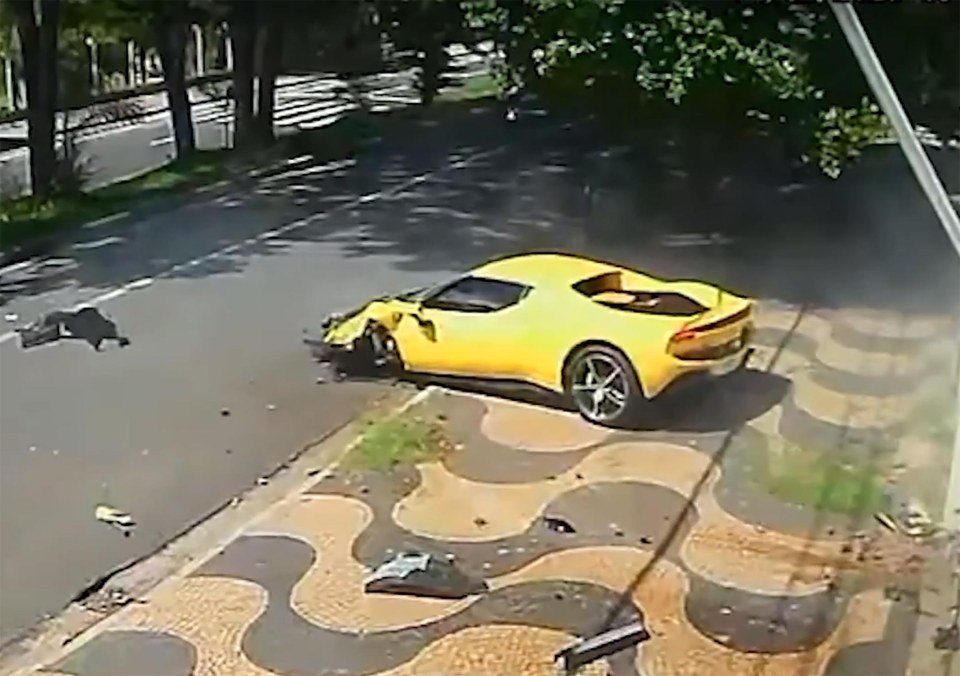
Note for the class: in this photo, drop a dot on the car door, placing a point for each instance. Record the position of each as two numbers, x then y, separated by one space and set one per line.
469 328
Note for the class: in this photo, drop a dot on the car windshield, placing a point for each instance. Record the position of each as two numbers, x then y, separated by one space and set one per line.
414 294
423 292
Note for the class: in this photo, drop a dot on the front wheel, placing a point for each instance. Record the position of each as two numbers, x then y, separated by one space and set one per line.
603 385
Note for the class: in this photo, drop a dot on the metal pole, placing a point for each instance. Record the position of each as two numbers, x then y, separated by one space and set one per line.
10 84
200 49
929 181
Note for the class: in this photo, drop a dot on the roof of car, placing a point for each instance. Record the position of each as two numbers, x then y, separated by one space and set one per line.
544 268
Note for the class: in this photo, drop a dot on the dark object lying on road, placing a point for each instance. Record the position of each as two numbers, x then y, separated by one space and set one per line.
419 574
591 649
86 324
947 638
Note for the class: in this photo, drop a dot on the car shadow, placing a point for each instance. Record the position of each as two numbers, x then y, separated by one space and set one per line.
712 405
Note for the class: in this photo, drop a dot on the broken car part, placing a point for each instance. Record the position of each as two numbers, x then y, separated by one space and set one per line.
589 650
115 517
422 574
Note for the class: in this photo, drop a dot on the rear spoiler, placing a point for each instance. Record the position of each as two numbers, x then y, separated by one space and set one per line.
695 318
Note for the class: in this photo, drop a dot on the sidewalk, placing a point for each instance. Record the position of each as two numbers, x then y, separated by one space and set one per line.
645 524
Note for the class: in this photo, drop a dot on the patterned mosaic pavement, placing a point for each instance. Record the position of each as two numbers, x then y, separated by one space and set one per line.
668 528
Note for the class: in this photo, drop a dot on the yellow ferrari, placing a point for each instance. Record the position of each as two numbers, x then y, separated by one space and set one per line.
607 337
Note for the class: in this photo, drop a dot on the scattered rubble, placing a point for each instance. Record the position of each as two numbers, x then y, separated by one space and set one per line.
914 520
559 525
480 522
421 574
947 638
116 518
107 601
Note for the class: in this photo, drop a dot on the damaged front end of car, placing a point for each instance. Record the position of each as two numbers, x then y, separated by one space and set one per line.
359 340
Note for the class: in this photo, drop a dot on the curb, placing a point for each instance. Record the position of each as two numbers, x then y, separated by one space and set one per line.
76 626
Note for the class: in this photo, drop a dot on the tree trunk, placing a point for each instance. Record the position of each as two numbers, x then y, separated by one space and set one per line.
269 52
243 42
431 69
38 43
171 43
142 64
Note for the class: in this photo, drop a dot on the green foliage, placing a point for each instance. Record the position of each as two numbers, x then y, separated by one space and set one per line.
779 69
841 134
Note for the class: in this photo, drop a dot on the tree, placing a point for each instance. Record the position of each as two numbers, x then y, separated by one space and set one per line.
163 25
420 30
171 30
781 69
37 25
242 22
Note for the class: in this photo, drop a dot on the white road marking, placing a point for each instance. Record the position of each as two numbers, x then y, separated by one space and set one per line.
161 141
289 227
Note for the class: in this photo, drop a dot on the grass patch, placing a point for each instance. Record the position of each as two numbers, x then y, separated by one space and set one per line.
25 218
481 86
395 441
823 481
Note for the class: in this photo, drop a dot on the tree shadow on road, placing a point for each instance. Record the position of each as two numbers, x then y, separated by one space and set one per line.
746 222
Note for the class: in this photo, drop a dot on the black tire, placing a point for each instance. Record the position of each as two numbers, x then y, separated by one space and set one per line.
610 415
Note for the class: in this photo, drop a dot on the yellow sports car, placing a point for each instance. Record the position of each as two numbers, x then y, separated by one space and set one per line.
607 337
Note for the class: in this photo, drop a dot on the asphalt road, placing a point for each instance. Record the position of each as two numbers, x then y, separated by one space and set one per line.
117 151
216 323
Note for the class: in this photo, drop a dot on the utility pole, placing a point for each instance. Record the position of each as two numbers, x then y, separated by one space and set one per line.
929 181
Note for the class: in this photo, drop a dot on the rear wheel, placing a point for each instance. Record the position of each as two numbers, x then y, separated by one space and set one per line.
603 385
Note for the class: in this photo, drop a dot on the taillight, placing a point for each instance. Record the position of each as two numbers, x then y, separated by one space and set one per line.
683 334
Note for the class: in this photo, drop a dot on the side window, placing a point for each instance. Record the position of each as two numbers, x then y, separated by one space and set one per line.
476 294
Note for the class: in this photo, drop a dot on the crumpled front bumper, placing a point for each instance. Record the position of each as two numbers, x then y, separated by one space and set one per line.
320 348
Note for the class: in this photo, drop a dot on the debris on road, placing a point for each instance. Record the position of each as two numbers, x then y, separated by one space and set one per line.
480 522
87 323
115 517
314 471
271 407
262 481
559 525
107 601
589 650
11 317
421 574
947 638
914 520
225 412
886 521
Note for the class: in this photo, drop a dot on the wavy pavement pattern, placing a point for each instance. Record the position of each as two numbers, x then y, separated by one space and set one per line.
856 374
256 631
293 601
719 546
